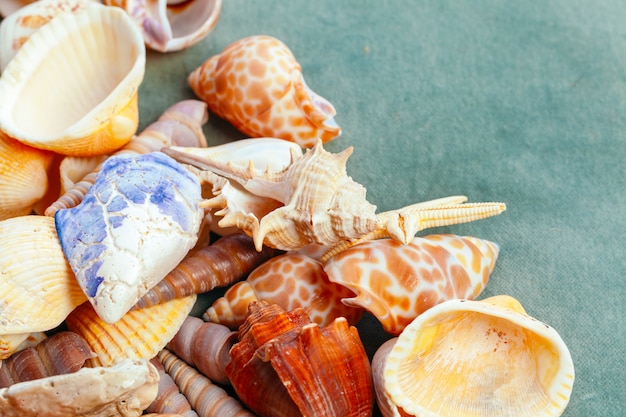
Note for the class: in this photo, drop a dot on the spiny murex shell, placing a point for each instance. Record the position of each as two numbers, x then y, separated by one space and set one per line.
313 200
135 224
483 357
89 64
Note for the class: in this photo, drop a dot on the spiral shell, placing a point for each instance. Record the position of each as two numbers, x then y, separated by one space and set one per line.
139 334
207 399
169 399
62 353
88 109
290 280
226 261
397 282
286 365
489 356
257 85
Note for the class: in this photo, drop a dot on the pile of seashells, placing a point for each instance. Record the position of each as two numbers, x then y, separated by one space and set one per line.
108 235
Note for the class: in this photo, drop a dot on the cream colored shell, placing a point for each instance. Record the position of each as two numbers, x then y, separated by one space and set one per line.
37 286
479 358
72 87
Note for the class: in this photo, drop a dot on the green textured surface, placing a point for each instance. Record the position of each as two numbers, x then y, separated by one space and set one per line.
521 102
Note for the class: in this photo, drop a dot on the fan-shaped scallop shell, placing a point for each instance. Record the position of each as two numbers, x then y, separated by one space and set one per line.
37 286
90 64
24 177
397 282
290 280
172 25
482 357
257 85
286 365
125 389
135 224
139 334
17 28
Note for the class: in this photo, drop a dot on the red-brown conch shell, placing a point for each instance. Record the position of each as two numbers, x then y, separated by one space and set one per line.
285 365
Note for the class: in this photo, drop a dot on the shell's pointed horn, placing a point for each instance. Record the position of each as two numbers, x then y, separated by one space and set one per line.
404 223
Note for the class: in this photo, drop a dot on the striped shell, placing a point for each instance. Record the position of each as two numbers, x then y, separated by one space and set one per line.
139 334
37 286
483 357
257 85
397 282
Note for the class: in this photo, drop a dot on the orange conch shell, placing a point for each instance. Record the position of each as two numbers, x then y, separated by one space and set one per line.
290 280
286 365
257 85
397 282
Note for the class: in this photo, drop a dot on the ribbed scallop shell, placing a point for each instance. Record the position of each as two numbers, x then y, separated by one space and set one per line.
170 25
17 28
257 85
286 365
138 334
290 280
23 177
89 64
37 286
124 389
478 358
397 282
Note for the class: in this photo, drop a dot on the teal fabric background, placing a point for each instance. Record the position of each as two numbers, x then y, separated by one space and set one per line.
522 102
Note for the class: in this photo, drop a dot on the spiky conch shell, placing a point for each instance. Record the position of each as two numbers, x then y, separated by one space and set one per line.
257 85
482 357
37 286
317 202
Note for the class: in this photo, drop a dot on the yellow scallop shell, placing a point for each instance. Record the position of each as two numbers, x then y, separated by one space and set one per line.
72 87
139 334
478 358
37 286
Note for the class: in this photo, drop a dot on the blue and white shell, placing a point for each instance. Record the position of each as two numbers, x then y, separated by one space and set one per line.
136 223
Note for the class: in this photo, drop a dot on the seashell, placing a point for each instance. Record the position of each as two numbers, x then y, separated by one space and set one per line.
205 346
135 224
62 353
226 261
385 406
169 25
487 355
139 334
124 389
290 280
37 287
88 109
256 84
9 6
169 399
207 399
286 365
314 201
24 178
397 282
16 28
180 124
